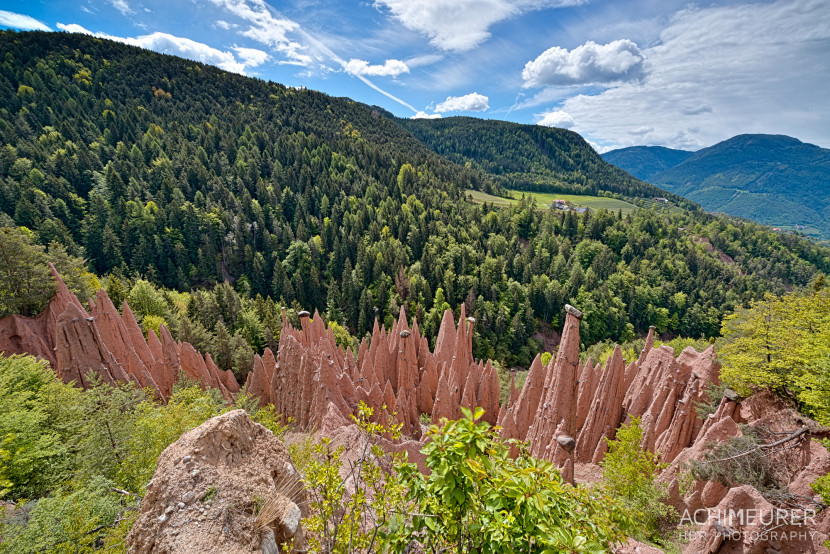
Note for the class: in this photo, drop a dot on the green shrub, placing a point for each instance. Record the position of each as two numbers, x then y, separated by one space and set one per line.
477 498
344 521
629 475
782 344
821 486
710 403
79 521
31 450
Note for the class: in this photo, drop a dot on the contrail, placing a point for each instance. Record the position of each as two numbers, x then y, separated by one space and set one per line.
327 51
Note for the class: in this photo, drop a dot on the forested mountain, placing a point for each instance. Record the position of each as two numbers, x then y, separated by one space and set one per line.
528 157
164 169
772 179
644 162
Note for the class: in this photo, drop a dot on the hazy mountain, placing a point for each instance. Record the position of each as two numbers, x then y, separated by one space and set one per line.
644 162
772 179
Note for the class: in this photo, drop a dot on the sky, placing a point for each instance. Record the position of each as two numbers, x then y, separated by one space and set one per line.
621 73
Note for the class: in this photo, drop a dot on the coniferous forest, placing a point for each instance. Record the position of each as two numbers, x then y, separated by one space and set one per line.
171 177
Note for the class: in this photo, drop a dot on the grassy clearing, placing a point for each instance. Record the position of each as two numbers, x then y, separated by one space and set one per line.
545 199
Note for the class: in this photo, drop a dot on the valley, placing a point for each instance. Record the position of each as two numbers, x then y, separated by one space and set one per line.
237 316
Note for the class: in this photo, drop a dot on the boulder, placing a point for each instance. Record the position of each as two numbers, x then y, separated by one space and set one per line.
208 483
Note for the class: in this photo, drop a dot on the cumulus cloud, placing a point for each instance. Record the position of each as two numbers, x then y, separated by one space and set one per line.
461 24
590 63
473 102
251 57
556 118
267 28
20 21
184 47
722 71
425 115
390 68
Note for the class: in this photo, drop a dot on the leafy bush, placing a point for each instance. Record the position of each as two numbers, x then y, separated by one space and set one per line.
477 498
356 521
783 344
78 459
628 476
80 521
713 398
821 486
30 447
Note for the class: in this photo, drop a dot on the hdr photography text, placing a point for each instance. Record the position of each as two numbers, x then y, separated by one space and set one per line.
750 523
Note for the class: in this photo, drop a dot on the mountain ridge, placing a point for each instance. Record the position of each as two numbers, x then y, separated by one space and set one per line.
776 180
530 157
644 162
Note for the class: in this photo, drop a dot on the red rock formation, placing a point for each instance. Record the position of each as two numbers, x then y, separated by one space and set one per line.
605 409
395 369
551 435
102 341
81 350
566 412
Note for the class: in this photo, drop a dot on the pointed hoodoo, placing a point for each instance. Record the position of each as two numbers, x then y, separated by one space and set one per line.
81 349
648 346
445 343
554 428
523 409
605 412
472 322
304 316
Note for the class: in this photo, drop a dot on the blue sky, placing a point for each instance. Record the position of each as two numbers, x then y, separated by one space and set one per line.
621 73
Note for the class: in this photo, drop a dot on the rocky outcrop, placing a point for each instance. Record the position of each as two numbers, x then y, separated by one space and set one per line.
37 335
207 484
566 411
394 373
101 342
552 434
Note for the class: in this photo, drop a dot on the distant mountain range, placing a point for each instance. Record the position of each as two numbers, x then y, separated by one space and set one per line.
644 162
773 179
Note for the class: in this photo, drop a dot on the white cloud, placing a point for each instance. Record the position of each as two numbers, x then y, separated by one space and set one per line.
461 24
267 28
722 71
556 118
251 57
390 68
473 102
426 59
184 47
590 63
425 115
122 6
20 21
222 24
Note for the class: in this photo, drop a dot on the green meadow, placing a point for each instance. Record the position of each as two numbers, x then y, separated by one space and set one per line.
544 200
